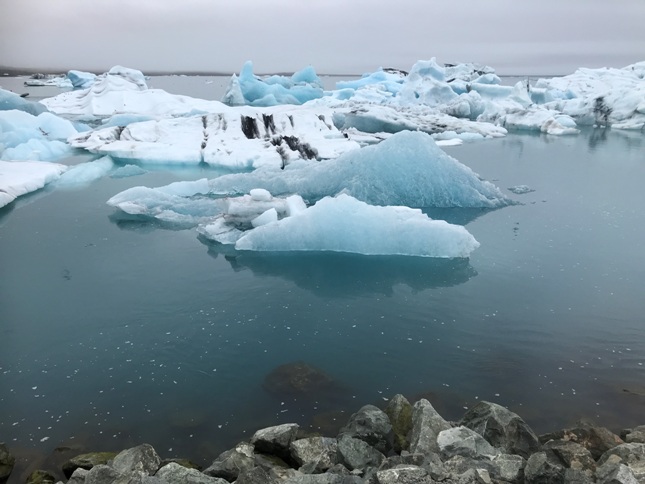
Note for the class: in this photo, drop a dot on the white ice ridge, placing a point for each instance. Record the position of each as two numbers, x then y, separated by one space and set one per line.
237 138
21 177
344 224
407 168
124 91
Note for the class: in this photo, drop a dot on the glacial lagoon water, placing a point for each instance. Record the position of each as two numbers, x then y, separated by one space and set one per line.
115 332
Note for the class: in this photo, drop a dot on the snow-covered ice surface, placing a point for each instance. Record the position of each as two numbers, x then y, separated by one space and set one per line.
344 224
21 177
124 91
237 138
606 97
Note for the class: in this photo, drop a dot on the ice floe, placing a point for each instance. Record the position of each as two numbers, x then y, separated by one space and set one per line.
21 177
344 224
85 173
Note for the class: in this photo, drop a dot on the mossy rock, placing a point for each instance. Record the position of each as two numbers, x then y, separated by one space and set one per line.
41 477
399 411
7 462
87 461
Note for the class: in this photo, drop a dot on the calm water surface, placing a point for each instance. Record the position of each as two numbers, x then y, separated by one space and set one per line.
114 333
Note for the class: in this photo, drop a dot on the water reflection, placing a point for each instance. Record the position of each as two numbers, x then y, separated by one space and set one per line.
334 274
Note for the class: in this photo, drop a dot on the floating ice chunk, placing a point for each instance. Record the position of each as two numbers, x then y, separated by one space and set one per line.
520 189
303 86
85 173
245 208
260 195
406 169
56 81
10 100
267 217
220 231
178 203
393 119
390 81
21 177
133 76
606 96
537 118
24 136
80 79
127 171
344 224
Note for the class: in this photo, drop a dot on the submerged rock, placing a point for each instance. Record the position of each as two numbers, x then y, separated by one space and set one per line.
299 379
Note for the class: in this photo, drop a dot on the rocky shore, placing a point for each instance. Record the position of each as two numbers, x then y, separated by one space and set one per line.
403 443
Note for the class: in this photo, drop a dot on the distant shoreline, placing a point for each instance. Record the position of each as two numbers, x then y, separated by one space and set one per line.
16 71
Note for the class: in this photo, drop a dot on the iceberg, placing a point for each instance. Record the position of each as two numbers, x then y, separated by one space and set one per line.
248 88
61 82
407 168
124 91
11 101
603 97
21 177
344 224
80 79
127 171
24 136
236 138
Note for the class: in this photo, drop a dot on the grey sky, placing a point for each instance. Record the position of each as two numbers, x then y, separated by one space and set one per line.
335 36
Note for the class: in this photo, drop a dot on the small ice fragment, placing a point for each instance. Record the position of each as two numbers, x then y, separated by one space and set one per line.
260 195
44 439
520 189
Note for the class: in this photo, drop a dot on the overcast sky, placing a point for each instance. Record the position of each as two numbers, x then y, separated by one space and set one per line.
334 36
